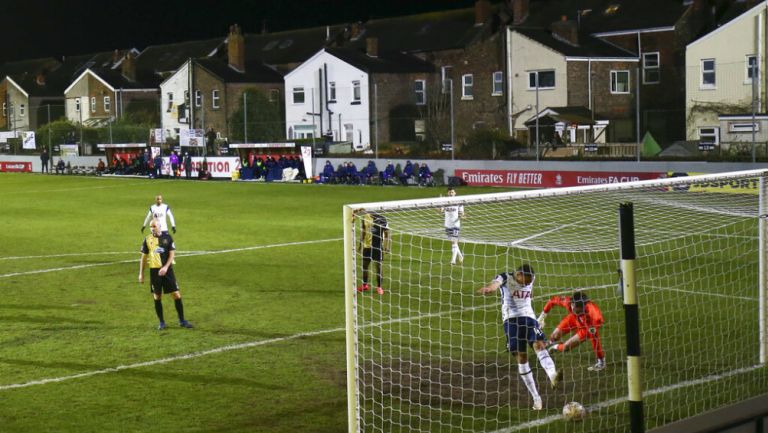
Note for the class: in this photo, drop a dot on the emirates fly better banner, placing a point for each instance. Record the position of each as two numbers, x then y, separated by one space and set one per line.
549 179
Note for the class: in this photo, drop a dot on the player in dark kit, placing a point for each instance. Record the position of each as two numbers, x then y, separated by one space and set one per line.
374 242
159 250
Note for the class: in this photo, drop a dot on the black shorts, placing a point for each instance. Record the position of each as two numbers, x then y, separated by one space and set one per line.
373 253
165 283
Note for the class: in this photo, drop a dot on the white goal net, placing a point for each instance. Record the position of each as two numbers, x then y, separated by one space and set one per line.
429 354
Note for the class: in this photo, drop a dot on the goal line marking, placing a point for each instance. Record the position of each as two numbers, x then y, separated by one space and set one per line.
190 254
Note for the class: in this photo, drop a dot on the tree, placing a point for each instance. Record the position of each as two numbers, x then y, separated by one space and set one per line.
264 118
436 114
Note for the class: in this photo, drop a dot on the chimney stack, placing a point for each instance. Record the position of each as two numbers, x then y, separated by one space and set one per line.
566 31
519 11
40 79
129 67
482 11
372 47
355 31
236 48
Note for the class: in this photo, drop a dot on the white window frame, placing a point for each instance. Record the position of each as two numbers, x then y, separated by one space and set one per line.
331 91
215 98
654 69
93 104
420 91
615 82
715 133
298 90
713 71
743 127
170 102
497 83
21 110
748 68
467 83
107 104
538 82
77 105
198 99
274 95
356 92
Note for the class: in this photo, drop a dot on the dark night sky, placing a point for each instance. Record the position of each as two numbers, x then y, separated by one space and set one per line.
40 28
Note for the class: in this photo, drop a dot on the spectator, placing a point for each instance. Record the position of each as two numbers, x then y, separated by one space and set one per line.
203 173
328 175
187 166
259 170
388 175
174 164
100 167
369 172
44 157
425 175
407 173
158 169
60 167
69 168
353 177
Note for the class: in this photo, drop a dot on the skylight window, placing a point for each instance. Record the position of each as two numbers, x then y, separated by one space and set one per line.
611 9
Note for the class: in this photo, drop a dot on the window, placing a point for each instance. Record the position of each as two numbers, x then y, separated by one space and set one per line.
298 95
708 138
186 96
467 81
355 92
215 99
541 79
77 105
332 91
107 104
498 84
651 73
274 95
752 68
739 127
619 81
419 88
21 110
198 98
93 104
170 102
349 132
708 78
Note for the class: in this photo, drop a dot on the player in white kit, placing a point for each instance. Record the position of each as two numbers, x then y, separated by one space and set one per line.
159 211
521 328
453 216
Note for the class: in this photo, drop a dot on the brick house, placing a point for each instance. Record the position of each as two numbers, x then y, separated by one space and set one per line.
24 88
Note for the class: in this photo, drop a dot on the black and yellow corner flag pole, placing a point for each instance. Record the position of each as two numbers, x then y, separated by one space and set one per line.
631 316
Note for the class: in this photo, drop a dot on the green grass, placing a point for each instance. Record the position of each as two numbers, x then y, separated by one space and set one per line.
262 264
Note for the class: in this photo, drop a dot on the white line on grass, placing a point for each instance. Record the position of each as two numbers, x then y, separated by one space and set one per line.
608 403
71 189
198 253
103 253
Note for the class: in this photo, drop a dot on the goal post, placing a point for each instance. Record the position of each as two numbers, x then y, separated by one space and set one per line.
429 353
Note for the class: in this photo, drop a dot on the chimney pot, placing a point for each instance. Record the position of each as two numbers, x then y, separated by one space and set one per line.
519 11
236 48
482 11
372 47
129 67
566 31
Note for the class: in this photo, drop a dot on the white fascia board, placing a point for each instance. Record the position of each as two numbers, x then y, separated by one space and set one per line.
176 72
16 85
303 64
742 117
635 31
602 59
726 25
88 72
149 90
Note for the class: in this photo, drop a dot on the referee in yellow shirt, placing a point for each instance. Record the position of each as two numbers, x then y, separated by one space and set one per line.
159 250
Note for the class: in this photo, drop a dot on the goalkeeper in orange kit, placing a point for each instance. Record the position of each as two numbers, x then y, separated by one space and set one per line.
584 318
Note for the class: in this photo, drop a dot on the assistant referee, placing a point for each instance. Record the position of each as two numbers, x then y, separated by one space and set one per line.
159 250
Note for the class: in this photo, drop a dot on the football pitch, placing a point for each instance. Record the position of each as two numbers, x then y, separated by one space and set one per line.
260 267
261 273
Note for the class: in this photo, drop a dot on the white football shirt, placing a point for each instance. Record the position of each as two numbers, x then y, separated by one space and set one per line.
453 216
516 299
159 213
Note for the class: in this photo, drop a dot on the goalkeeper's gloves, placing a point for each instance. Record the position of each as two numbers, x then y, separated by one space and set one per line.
541 319
142 228
174 229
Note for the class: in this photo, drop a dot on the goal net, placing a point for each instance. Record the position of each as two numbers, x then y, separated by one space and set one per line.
430 353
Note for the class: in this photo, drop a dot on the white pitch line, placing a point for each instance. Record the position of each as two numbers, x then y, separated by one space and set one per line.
608 403
199 253
50 256
71 189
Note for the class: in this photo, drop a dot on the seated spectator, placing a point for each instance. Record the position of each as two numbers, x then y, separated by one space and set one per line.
353 177
259 170
100 167
425 175
407 173
68 168
60 166
329 174
369 172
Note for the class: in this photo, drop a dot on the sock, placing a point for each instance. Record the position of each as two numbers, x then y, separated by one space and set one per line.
546 361
527 376
179 309
159 309
454 252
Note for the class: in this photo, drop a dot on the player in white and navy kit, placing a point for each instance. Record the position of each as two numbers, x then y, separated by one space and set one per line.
453 216
521 327
159 211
